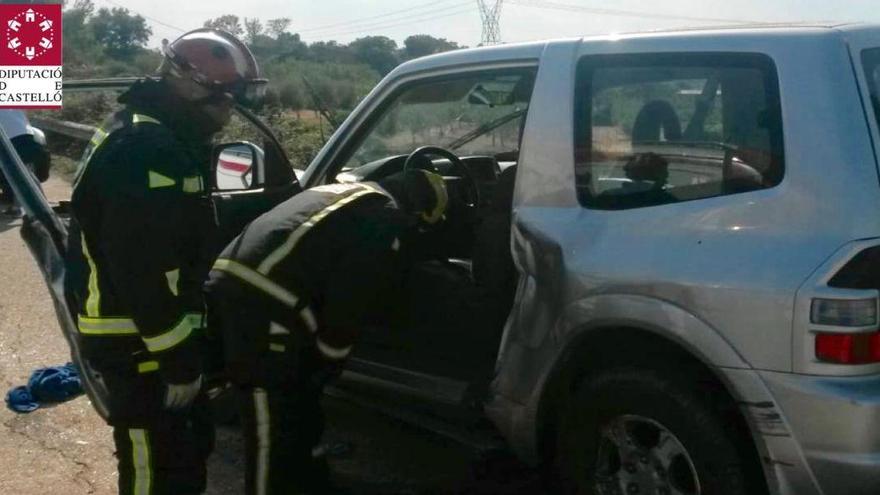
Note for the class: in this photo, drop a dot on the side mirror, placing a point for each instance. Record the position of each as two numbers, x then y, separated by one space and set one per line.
238 166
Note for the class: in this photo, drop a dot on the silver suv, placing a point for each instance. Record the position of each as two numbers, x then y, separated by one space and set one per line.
660 272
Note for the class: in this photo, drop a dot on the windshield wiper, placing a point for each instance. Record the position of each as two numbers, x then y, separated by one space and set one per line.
485 128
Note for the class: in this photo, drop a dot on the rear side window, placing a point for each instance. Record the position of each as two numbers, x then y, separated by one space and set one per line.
653 129
871 63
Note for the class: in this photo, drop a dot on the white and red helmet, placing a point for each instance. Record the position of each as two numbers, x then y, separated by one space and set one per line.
218 61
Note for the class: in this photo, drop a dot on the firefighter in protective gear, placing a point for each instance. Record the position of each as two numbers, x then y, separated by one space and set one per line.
141 246
290 295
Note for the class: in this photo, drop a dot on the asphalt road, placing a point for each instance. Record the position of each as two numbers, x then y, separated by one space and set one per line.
68 449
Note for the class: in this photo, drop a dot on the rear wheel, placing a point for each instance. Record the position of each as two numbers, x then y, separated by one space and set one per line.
643 432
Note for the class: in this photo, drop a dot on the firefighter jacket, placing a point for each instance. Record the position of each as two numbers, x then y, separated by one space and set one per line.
140 240
322 264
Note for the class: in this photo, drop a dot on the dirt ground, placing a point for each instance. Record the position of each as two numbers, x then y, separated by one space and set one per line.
68 449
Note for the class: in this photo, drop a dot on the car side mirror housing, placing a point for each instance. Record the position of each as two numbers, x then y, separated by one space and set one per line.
238 166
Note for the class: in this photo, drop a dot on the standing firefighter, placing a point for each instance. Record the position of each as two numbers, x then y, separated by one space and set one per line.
290 295
140 251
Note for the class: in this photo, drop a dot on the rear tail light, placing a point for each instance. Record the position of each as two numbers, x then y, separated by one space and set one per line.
844 312
848 348
862 345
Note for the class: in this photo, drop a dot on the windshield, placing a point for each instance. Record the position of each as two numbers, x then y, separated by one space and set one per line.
473 114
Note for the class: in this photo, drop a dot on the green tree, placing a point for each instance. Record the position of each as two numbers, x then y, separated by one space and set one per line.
253 29
277 27
229 23
292 95
80 48
121 34
379 52
420 45
331 51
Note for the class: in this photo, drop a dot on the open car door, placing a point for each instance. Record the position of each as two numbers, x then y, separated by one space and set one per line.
45 234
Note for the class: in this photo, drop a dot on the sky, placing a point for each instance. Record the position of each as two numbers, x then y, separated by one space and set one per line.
459 20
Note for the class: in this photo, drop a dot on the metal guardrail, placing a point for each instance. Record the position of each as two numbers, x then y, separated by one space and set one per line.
73 130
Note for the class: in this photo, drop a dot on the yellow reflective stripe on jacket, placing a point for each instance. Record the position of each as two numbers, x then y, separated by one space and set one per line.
309 318
287 247
140 118
158 181
195 320
193 184
98 137
332 352
148 366
93 301
106 326
257 280
170 338
173 278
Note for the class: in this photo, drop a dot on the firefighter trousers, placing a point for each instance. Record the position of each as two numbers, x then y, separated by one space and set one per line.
282 426
159 452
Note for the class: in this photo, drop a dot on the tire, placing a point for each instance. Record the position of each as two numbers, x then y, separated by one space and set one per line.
632 431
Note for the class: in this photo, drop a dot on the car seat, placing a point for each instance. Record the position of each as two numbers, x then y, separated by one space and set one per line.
656 115
494 272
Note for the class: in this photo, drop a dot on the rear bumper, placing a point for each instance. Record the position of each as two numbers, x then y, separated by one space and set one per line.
836 424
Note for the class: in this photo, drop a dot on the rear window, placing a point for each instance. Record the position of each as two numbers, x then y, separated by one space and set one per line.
871 63
663 128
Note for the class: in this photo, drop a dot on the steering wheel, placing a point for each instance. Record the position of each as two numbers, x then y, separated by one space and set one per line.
418 159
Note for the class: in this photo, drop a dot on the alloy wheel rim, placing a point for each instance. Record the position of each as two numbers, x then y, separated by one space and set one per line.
639 456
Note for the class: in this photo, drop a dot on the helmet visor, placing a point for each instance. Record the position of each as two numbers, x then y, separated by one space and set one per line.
249 93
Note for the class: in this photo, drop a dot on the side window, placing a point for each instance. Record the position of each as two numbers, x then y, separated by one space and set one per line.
478 113
871 64
655 129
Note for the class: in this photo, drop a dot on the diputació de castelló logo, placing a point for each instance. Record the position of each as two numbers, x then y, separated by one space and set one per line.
30 56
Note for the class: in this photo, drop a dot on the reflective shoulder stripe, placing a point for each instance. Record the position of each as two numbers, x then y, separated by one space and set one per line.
141 118
143 466
354 191
257 280
106 326
148 366
332 352
93 301
158 180
97 140
170 338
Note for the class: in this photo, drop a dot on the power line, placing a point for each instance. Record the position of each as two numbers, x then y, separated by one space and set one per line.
395 24
545 4
157 21
414 17
491 16
360 20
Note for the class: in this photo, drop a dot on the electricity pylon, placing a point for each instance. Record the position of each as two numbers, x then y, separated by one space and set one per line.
490 12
